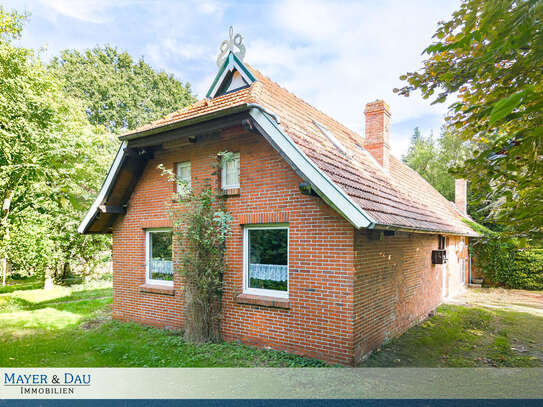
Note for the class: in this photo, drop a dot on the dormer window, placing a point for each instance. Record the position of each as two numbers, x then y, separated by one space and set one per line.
230 172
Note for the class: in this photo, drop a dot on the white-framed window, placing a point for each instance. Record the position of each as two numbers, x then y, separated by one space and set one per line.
230 172
265 260
158 256
183 174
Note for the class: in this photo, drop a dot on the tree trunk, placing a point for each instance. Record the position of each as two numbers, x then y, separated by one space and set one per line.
4 270
6 207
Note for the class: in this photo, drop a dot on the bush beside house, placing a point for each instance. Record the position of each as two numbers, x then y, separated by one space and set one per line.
501 261
527 270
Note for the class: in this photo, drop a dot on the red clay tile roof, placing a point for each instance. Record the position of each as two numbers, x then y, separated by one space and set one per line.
400 198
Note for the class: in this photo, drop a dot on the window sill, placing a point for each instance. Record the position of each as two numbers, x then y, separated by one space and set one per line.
157 289
272 302
231 191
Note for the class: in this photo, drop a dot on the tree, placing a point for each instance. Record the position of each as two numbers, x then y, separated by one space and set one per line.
50 160
11 24
433 159
490 56
116 91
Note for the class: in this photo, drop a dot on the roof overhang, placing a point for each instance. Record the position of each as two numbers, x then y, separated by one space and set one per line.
132 157
308 170
424 231
184 123
94 211
129 164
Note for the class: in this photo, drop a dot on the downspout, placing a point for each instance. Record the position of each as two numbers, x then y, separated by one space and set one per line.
264 110
469 266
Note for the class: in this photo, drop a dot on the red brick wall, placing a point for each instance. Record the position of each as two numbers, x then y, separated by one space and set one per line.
337 275
318 320
396 285
455 253
146 209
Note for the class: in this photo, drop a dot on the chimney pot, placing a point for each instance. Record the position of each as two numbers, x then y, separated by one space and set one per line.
377 140
461 195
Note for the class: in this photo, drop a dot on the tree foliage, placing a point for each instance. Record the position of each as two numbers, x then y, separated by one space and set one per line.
11 24
504 263
433 158
51 160
54 146
117 91
490 56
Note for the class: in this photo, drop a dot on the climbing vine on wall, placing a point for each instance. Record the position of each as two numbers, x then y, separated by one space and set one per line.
201 225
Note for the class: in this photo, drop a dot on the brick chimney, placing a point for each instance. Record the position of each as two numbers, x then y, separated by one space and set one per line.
377 140
461 195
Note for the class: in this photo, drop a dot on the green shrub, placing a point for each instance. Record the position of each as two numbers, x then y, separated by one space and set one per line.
503 263
527 270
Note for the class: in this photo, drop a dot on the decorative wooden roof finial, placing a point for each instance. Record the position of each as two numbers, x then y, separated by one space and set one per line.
228 45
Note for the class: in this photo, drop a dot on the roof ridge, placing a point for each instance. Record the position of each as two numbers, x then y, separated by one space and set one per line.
446 203
396 198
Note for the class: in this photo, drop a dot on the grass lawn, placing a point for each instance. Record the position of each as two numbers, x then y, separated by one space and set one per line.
72 327
464 336
28 283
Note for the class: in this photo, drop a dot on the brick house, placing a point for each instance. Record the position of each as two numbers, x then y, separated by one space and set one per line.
334 240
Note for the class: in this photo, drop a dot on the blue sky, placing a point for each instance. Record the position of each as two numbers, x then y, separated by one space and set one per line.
336 55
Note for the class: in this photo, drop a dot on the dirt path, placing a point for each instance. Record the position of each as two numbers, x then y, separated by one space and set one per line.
500 298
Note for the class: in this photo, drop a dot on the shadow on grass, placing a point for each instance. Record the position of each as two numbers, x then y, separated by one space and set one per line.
110 343
30 285
76 301
76 330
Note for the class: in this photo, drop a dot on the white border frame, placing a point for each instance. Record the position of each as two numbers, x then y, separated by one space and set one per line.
223 174
149 280
261 291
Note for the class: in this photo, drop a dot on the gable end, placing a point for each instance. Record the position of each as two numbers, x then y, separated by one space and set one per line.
224 77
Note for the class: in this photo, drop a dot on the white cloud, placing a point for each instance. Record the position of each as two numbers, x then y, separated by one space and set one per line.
336 55
350 54
92 11
209 7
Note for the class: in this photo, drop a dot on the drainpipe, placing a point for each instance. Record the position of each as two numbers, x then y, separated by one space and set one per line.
264 110
469 266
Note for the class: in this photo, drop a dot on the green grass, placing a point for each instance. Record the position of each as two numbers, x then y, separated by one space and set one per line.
458 336
72 327
28 283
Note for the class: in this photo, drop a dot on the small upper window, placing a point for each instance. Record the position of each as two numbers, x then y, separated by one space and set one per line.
159 256
183 175
230 172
